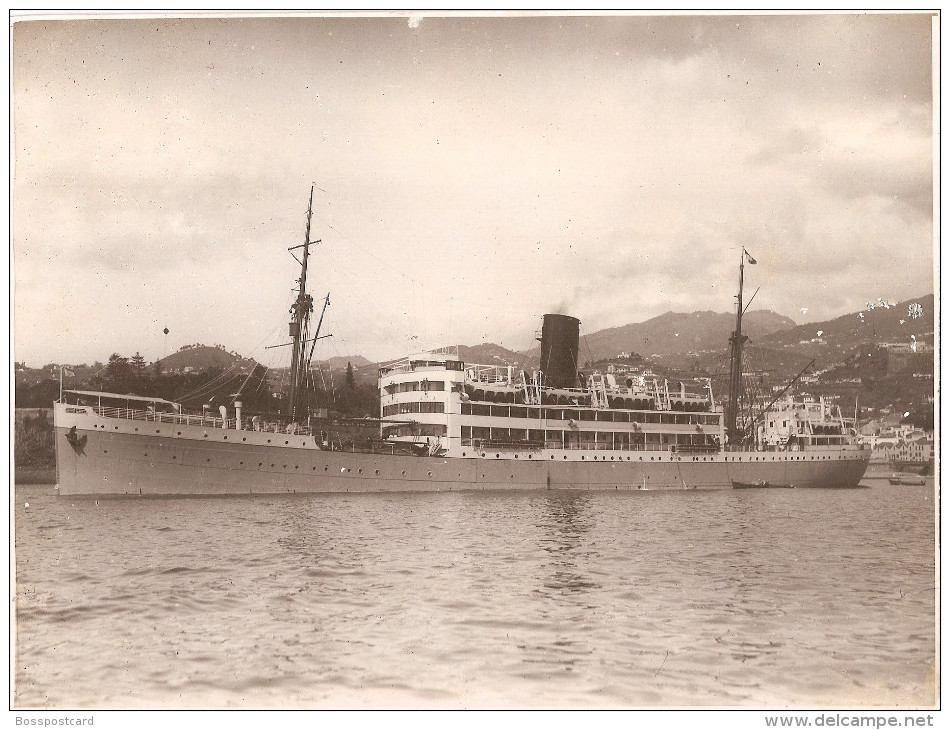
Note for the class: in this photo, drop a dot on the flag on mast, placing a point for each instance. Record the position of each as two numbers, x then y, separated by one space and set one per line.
748 257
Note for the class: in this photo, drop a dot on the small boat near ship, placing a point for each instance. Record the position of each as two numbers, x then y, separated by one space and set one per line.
761 485
446 424
907 481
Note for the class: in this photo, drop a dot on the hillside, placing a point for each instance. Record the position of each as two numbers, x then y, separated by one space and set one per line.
340 362
199 358
891 324
679 333
492 354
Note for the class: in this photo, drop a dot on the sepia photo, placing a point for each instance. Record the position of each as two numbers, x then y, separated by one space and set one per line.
475 360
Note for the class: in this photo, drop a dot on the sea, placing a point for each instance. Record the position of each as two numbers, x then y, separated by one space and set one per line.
758 598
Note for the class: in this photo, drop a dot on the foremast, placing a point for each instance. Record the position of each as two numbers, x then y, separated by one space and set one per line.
300 328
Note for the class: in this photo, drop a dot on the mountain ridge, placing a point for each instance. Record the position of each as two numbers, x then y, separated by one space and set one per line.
676 335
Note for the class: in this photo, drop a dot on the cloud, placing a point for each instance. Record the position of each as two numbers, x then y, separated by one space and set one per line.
471 177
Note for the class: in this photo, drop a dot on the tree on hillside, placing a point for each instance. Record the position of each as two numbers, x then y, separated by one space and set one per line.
137 371
350 382
118 373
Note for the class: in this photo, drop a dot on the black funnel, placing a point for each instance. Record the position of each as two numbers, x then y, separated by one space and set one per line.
559 344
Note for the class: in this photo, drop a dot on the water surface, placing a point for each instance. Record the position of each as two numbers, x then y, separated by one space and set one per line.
541 599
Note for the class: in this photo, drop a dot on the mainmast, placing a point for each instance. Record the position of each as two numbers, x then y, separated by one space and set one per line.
733 432
299 328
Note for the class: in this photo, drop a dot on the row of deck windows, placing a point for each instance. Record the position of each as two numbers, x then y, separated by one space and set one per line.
414 407
605 440
417 430
589 414
416 385
826 440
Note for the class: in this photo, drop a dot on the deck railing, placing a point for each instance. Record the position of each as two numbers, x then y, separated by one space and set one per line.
208 421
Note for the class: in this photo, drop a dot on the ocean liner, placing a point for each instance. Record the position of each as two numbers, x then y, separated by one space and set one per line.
446 424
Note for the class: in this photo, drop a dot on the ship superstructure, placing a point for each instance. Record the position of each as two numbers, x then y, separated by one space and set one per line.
461 408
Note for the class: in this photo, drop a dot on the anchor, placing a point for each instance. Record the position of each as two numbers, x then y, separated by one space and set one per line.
77 442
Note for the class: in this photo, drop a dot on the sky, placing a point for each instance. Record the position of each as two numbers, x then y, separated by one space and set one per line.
470 173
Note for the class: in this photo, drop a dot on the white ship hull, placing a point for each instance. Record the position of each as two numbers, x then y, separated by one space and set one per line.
122 456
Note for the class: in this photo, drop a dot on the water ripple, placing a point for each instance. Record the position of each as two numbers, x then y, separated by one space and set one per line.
804 597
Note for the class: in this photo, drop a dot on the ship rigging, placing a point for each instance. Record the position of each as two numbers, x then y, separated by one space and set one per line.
298 402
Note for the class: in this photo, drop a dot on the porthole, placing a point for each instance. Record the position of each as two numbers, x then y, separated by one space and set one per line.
136 429
286 443
377 471
225 438
429 473
244 439
516 456
497 456
297 466
174 457
179 433
361 471
326 468
260 463
404 472
158 430
268 440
